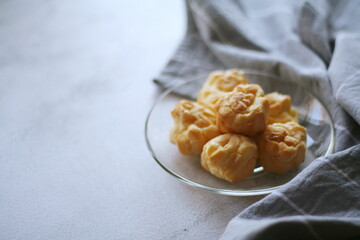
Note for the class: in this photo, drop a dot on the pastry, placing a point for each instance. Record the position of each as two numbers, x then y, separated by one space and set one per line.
243 111
280 108
194 125
219 83
282 147
229 116
230 156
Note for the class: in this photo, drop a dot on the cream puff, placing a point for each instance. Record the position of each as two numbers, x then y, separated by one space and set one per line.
282 147
280 108
230 156
217 84
244 110
194 125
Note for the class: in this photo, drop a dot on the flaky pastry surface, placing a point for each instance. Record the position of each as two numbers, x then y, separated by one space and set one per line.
243 111
282 147
230 156
194 125
217 84
280 108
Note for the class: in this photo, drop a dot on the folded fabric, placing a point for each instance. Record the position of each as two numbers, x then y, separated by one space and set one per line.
316 44
320 203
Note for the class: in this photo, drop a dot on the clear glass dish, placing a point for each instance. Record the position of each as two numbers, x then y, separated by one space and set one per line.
312 114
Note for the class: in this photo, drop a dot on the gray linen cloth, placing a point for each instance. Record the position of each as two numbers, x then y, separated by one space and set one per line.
316 44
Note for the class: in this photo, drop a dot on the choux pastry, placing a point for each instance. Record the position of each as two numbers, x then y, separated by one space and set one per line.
230 156
280 108
233 126
194 125
282 147
217 84
243 111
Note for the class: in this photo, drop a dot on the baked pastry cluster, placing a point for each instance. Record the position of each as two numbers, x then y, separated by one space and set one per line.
234 126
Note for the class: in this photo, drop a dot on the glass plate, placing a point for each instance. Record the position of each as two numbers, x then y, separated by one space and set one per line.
312 114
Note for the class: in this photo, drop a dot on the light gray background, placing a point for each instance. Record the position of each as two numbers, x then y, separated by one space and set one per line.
75 88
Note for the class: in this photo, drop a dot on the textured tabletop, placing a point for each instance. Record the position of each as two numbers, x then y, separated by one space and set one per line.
75 89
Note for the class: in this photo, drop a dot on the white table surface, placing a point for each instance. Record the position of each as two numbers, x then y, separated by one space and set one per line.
75 88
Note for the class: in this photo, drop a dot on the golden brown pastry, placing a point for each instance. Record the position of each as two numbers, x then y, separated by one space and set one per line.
230 156
243 111
282 147
219 83
194 125
280 108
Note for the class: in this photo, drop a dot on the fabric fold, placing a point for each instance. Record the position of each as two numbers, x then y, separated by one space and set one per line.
322 202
